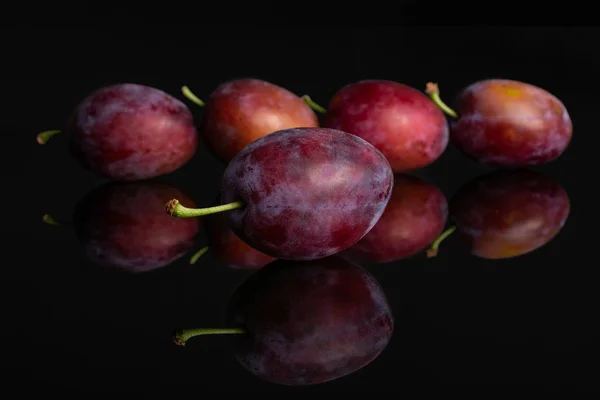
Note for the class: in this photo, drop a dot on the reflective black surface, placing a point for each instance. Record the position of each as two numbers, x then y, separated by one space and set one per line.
91 303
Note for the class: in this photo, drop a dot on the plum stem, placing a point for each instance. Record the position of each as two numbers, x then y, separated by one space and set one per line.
51 221
433 91
433 250
174 208
42 138
191 96
198 254
318 108
183 335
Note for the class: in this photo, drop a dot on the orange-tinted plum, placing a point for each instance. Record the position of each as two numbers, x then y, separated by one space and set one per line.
240 111
509 213
413 218
507 123
131 132
302 193
306 322
400 121
124 226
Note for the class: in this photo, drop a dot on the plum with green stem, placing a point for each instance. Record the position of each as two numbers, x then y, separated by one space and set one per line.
242 110
302 193
400 121
130 132
306 322
122 225
507 123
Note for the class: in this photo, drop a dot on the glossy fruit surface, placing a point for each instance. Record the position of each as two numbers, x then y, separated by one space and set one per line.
132 132
510 124
240 111
307 192
400 121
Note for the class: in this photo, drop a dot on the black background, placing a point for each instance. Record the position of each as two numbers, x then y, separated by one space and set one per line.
487 325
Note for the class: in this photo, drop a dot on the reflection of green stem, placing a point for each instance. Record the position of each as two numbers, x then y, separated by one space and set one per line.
433 250
191 96
434 92
183 335
51 221
198 254
313 105
177 210
42 138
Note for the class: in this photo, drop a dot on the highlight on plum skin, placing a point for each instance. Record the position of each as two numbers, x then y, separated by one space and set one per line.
413 218
130 132
509 213
241 111
302 193
507 123
400 121
305 323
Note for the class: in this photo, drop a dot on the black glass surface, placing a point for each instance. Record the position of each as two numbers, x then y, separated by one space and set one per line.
94 313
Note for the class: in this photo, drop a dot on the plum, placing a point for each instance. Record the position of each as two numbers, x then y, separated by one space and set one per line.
240 111
302 193
130 132
306 322
123 225
413 218
400 121
509 213
228 247
507 123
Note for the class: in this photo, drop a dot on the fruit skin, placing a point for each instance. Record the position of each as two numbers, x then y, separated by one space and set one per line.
400 121
240 111
509 213
132 132
123 225
310 322
228 247
510 124
308 192
413 218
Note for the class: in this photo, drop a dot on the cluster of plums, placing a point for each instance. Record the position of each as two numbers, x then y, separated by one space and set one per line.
305 204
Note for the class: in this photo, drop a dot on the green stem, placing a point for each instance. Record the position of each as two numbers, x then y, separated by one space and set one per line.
191 96
183 335
177 210
198 254
51 221
42 138
434 92
433 250
313 105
